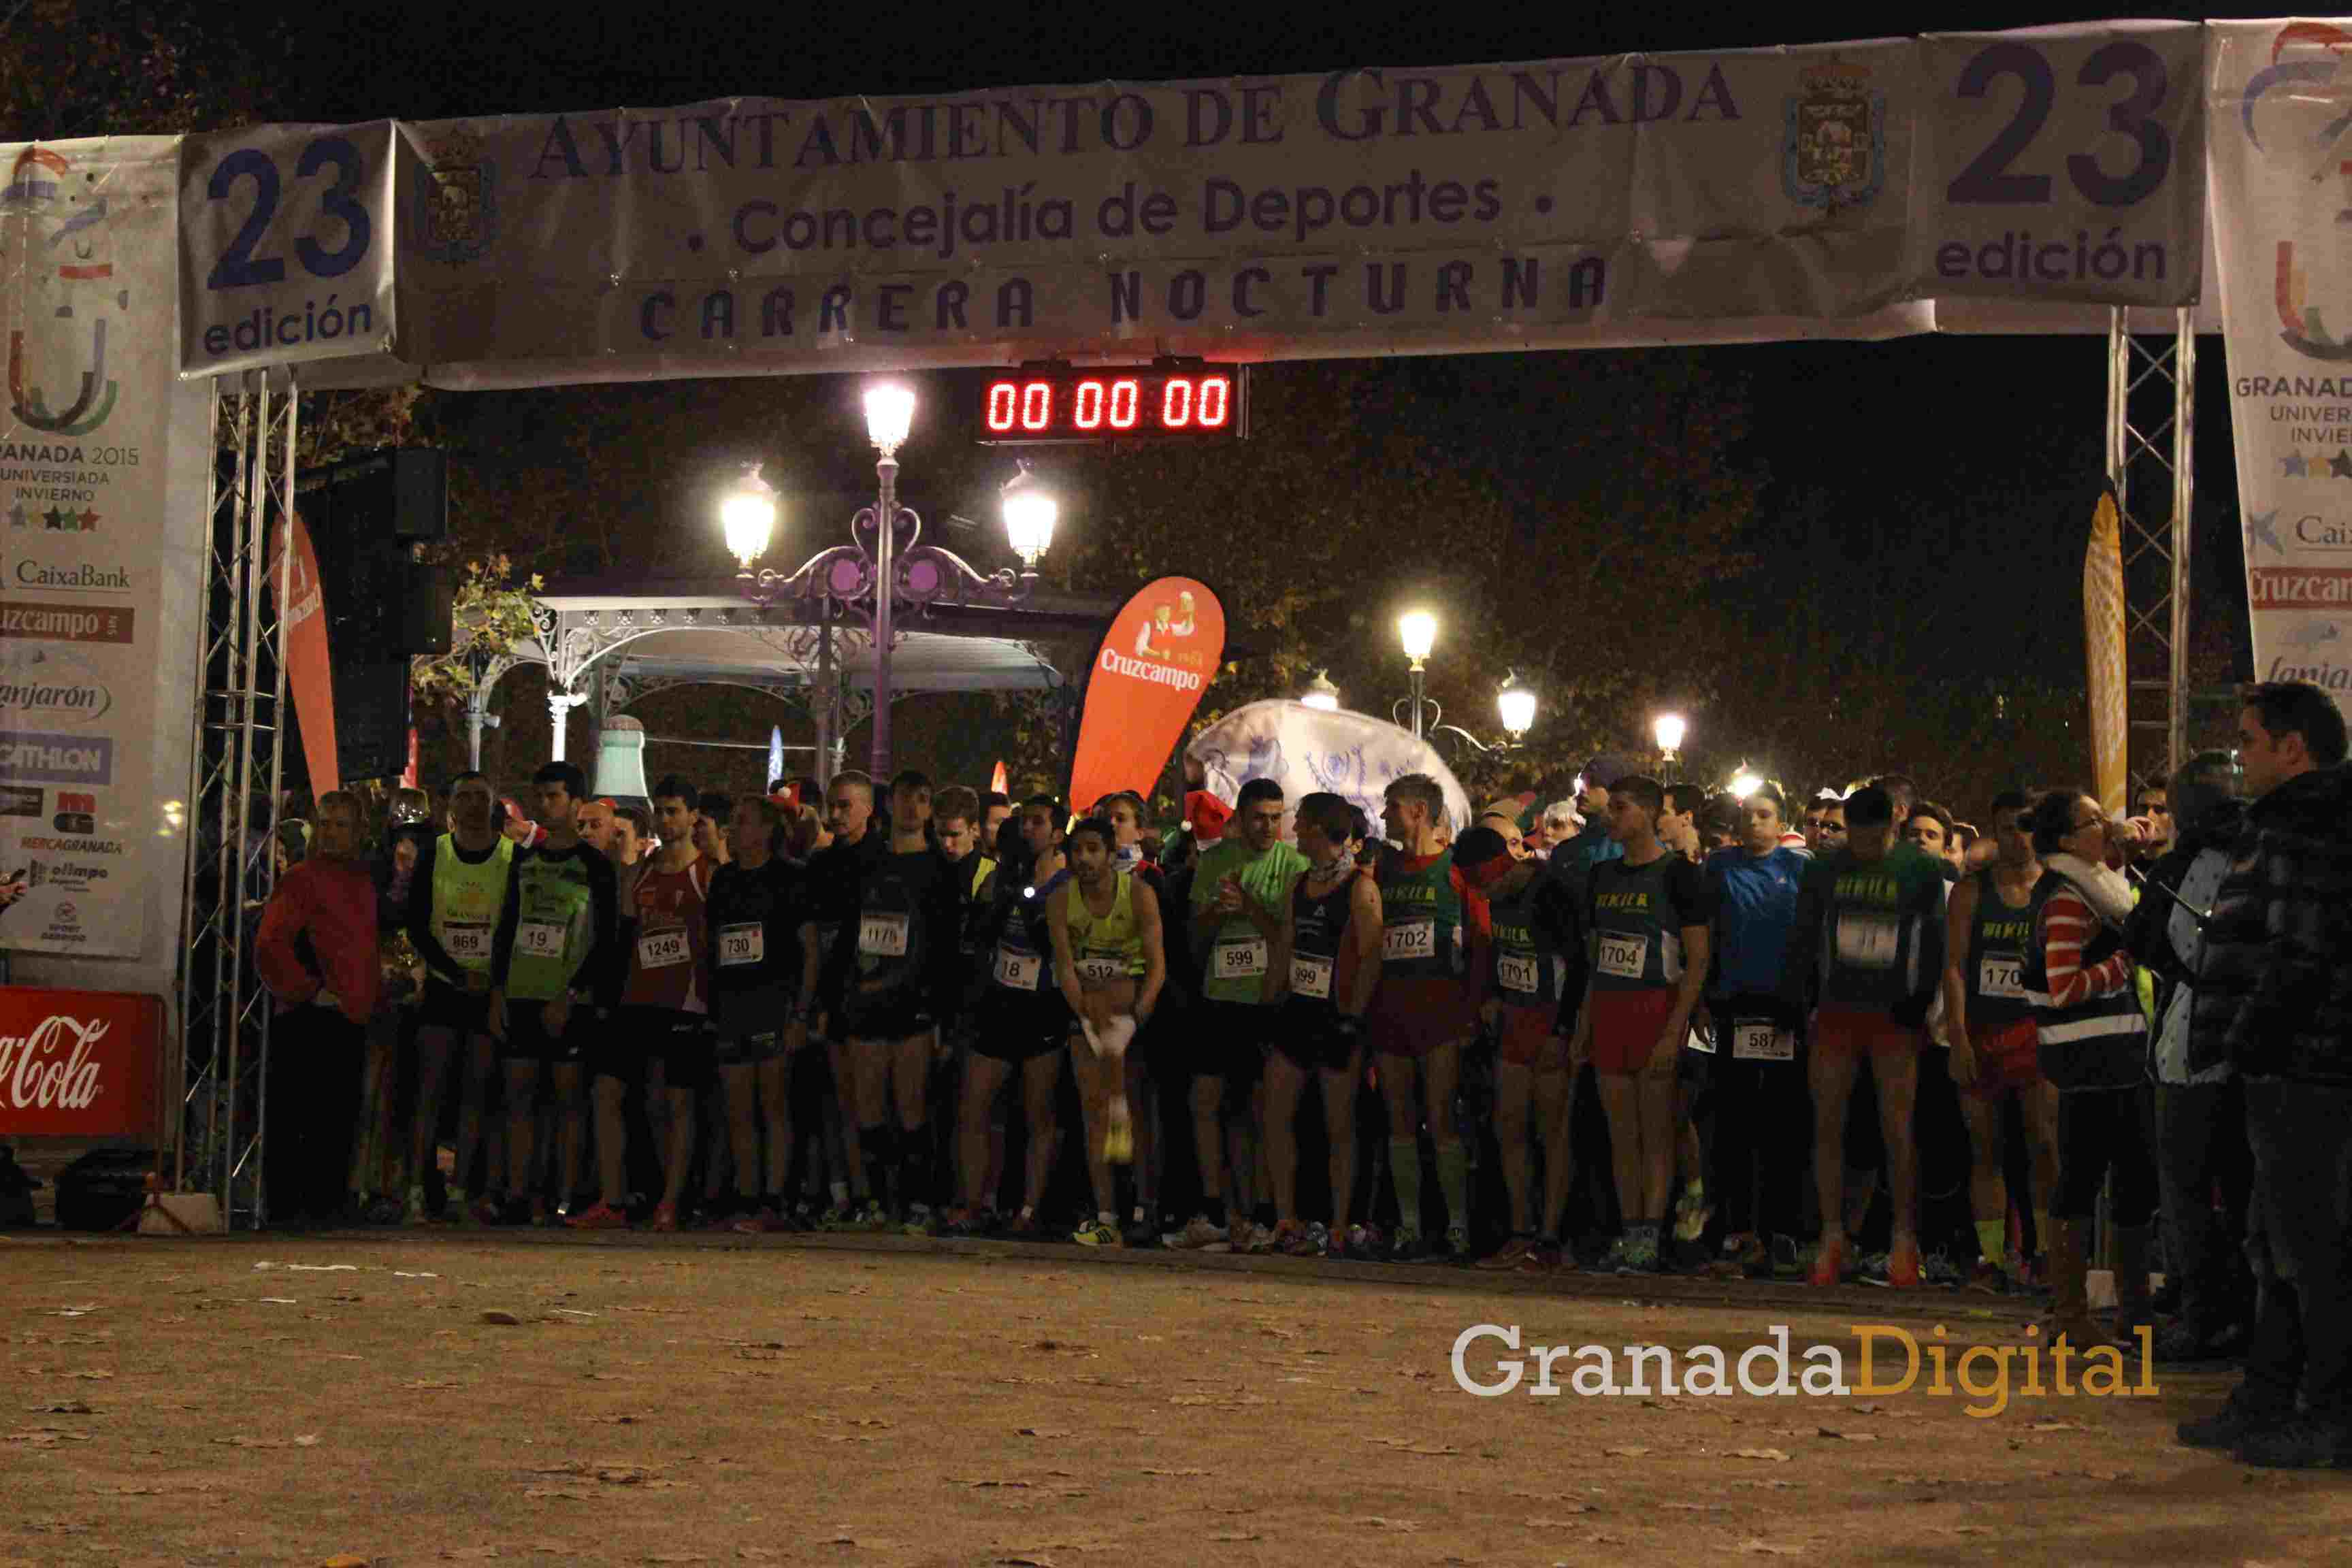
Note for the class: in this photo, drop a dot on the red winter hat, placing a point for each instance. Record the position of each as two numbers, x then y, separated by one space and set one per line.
1208 816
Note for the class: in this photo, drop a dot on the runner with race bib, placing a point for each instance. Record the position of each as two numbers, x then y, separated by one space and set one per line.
762 973
1240 891
1763 1125
1107 954
1332 937
1867 953
1433 977
1531 1007
1645 920
1022 1023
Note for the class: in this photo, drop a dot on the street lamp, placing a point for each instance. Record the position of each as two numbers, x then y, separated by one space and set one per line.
1321 693
886 566
1417 630
1516 705
1670 730
1744 784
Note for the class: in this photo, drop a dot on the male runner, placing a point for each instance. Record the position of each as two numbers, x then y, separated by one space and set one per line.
1763 1126
1433 977
1573 858
1332 935
994 808
1868 948
1240 892
1678 823
713 813
454 896
1994 1054
1536 948
1107 953
1022 1026
900 959
762 973
549 948
1646 924
1123 809
660 1038
835 871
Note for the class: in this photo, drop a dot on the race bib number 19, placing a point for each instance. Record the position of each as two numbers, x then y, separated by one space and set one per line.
539 939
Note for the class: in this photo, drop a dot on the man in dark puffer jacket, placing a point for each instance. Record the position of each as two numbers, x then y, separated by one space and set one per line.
2274 997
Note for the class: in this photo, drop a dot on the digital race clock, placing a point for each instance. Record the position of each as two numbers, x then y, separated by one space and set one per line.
1058 403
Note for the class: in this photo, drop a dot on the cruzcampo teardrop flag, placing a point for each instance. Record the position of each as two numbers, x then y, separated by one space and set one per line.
1165 645
2103 641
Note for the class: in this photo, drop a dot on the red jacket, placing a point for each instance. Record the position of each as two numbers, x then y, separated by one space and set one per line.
319 928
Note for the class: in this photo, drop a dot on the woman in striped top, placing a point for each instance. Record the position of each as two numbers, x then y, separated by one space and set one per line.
2093 1040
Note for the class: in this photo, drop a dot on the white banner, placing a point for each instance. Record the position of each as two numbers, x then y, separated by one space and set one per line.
1310 749
2280 96
97 607
1670 197
286 246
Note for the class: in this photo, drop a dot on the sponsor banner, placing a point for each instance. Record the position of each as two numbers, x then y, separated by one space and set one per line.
1306 750
78 1064
2279 93
1164 647
1680 196
285 249
96 637
2102 644
308 671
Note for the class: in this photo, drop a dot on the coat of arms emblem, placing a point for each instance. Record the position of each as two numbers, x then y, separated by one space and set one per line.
1834 150
458 201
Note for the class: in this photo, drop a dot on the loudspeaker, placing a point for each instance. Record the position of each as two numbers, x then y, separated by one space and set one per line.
366 515
402 494
621 761
428 609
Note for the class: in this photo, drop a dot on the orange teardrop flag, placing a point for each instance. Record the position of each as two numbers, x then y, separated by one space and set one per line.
1164 647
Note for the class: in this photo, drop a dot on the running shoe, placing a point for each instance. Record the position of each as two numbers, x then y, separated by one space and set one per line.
757 1224
1873 1270
453 1206
873 1219
1786 1263
515 1211
1641 1255
1118 1137
1512 1253
1903 1270
1692 1211
1260 1239
1364 1241
602 1217
839 1217
1612 1261
1544 1255
664 1218
1829 1261
1335 1244
1098 1233
1457 1244
1024 1227
1318 1239
487 1210
1290 1239
414 1211
1988 1278
1198 1235
1939 1269
1405 1245
918 1220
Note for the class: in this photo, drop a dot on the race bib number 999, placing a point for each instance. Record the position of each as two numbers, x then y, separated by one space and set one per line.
1311 977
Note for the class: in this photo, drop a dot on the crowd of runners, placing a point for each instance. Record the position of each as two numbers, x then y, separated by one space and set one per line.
1646 1027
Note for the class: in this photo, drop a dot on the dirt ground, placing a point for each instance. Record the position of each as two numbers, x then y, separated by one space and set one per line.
703 1400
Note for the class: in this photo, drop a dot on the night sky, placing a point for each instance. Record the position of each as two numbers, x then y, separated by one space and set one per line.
1952 471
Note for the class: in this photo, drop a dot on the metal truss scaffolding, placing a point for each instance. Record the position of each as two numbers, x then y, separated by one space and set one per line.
2150 454
234 778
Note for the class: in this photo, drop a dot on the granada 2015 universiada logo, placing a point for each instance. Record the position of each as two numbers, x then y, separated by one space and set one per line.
2317 50
53 233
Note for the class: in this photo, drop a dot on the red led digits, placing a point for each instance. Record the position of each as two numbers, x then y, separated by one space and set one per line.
1036 404
1088 414
1176 403
1002 397
1124 396
1216 401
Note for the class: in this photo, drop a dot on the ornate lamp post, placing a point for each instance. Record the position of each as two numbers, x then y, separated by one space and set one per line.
1417 630
886 567
1321 693
1515 705
1670 730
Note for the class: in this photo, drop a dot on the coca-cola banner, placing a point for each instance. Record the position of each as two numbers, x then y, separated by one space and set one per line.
101 532
78 1064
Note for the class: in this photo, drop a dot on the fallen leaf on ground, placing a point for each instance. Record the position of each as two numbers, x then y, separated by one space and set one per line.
1043 1432
471 1554
2057 1427
431 1383
1627 1453
574 1493
1766 1548
504 1319
1844 1436
1233 1535
324 1268
62 1407
276 1300
345 1560
1405 1526
306 1440
404 1274
93 1375
1183 1472
1774 1455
